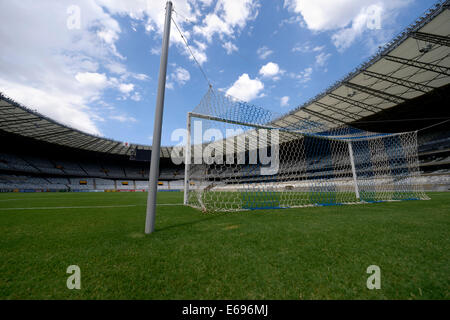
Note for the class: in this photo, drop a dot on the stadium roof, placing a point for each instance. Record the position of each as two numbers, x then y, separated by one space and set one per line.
18 119
414 63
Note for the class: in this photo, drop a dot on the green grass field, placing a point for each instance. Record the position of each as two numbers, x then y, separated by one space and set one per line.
305 253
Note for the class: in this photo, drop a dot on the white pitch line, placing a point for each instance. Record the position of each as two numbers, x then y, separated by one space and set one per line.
80 207
88 207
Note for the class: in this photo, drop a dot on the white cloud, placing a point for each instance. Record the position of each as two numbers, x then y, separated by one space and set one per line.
150 11
155 51
181 76
212 25
284 101
237 12
126 88
117 68
345 37
67 108
141 76
136 97
43 55
304 76
123 118
270 70
109 36
92 80
229 47
307 48
56 67
351 18
326 14
228 17
293 20
245 88
169 85
263 52
199 52
322 58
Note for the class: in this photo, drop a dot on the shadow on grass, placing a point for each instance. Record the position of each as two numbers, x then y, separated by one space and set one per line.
211 216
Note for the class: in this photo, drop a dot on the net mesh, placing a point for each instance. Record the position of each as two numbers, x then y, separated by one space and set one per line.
240 159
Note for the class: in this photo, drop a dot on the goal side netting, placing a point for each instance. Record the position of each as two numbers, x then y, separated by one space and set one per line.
241 157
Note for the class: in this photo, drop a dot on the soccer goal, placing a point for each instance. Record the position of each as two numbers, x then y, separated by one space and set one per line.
240 156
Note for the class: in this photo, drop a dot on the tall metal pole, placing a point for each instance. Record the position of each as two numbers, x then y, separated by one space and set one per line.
156 144
187 159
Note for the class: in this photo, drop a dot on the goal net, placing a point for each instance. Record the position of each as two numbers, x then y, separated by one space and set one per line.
241 156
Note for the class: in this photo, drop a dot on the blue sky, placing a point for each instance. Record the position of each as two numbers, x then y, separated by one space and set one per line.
93 65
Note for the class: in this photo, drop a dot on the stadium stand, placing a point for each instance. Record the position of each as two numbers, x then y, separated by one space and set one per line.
15 163
105 184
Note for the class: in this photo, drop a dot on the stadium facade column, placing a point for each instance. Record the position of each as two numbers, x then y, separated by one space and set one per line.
156 144
352 161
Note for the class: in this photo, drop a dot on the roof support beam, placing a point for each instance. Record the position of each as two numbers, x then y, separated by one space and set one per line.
112 148
101 147
15 120
30 130
7 107
46 127
98 146
309 122
295 125
376 93
286 137
124 150
14 113
41 126
52 134
88 143
356 103
401 82
336 110
287 123
323 117
432 38
421 65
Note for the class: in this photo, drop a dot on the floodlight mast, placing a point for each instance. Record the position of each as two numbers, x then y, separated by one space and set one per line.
156 143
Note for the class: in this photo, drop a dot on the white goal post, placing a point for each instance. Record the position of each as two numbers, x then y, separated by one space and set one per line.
239 157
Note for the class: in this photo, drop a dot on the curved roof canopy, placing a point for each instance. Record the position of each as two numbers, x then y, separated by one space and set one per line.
416 62
18 119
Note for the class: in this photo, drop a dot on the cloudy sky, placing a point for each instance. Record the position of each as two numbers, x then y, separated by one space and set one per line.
93 64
